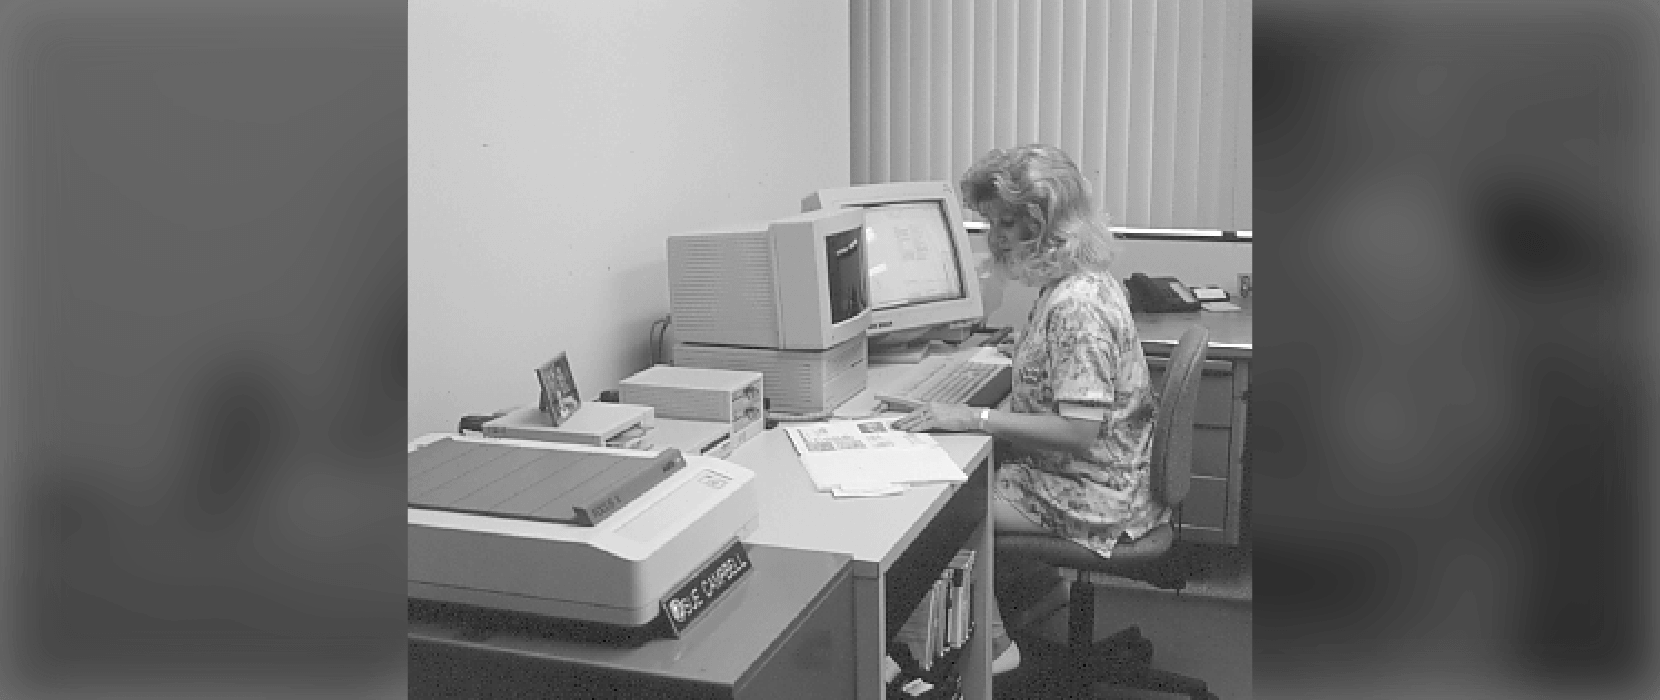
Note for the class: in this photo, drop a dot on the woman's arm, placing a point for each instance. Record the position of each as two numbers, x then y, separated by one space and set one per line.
1036 430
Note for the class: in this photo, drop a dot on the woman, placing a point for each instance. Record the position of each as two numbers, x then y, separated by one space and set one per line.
1073 446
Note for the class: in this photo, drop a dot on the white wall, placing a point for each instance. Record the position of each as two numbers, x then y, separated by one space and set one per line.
553 146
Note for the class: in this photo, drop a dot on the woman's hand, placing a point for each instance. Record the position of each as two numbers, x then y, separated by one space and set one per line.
940 416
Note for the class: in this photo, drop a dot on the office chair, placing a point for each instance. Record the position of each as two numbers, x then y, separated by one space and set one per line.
1124 659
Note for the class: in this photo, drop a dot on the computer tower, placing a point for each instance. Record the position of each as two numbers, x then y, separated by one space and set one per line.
796 381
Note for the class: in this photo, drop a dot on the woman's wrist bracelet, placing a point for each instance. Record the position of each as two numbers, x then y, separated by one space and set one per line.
985 419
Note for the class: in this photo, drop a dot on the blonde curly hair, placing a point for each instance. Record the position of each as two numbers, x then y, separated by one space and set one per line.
1042 186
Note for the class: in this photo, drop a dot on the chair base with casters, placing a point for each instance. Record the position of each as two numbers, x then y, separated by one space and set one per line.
1123 659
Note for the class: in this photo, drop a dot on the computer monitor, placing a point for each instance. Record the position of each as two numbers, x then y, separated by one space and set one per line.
921 270
799 283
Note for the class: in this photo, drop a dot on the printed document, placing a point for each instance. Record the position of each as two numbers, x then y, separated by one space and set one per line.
866 452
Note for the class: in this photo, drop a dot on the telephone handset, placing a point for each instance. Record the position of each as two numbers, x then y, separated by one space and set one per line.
1159 294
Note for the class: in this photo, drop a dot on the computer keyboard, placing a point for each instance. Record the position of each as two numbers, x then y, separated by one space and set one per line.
959 380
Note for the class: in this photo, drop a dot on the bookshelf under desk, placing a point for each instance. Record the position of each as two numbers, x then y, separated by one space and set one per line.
898 544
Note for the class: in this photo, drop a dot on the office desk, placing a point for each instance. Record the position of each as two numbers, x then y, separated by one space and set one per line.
785 630
1230 331
898 544
1214 510
891 549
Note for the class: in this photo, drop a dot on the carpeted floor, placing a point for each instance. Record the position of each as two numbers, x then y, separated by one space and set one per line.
1205 632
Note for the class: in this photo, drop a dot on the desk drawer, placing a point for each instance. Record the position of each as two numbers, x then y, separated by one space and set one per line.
1215 405
1207 503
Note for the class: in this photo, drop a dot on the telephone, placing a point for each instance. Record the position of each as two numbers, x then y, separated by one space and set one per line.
1159 295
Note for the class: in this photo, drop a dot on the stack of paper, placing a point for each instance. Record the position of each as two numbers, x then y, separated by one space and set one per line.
860 455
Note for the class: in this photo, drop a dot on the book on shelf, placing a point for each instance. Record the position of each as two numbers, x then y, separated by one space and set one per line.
942 622
941 614
958 621
962 568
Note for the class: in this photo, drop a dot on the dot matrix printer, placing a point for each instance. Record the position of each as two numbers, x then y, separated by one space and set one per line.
591 534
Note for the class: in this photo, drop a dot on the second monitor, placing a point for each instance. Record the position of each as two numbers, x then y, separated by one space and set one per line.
921 278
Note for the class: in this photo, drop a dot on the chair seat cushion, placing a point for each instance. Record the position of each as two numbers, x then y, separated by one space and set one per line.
1127 557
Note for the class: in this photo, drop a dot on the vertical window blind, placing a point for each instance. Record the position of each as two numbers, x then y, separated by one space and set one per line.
1151 98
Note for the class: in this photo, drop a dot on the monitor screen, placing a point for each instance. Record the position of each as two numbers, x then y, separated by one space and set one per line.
911 254
845 275
919 265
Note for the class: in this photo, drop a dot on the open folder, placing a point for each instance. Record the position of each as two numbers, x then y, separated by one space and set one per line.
864 452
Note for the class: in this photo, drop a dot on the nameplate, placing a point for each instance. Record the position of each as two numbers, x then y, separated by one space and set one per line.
698 594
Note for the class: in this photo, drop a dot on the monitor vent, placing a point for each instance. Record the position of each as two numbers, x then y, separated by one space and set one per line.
722 290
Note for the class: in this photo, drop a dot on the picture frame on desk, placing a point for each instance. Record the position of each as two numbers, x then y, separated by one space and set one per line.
559 397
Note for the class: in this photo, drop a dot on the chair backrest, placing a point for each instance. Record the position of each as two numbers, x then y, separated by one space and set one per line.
1172 458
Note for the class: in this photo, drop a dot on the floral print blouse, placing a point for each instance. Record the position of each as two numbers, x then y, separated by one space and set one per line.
1080 346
